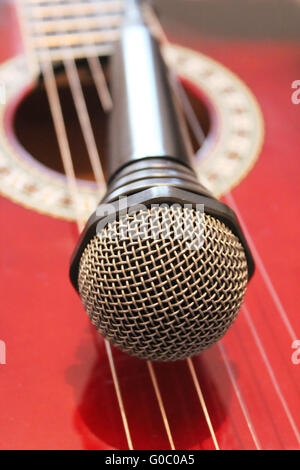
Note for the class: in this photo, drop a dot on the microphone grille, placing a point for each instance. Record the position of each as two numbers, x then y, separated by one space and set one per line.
159 297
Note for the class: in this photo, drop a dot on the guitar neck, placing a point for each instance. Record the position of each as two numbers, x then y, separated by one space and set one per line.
56 29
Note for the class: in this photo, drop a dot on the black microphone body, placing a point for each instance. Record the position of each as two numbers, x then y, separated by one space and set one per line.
133 296
145 121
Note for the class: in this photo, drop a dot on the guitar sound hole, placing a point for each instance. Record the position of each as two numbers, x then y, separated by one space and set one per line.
35 131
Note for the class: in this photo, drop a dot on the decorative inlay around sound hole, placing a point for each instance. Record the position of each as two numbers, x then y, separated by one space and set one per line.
230 150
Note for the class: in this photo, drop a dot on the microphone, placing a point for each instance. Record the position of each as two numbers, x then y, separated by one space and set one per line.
161 266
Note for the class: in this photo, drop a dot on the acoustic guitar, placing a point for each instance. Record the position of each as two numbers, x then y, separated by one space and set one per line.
62 385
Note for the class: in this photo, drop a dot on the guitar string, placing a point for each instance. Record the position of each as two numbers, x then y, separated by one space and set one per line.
94 65
271 372
67 25
80 8
263 271
160 403
61 134
84 119
191 117
100 83
58 120
239 395
251 325
202 401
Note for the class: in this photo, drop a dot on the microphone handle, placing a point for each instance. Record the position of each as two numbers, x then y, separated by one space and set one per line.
146 121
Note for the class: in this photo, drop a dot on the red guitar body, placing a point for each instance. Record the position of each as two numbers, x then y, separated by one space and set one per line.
56 388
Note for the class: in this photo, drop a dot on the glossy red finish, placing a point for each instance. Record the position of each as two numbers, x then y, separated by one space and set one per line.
56 389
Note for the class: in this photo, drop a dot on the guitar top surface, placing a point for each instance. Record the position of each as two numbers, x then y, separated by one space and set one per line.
56 386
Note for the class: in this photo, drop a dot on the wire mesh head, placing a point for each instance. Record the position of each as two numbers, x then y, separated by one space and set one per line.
160 288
